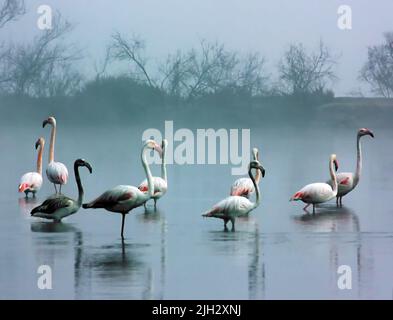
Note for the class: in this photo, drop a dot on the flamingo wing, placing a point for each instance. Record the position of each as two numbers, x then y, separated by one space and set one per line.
30 181
51 205
314 193
160 185
242 187
114 196
57 173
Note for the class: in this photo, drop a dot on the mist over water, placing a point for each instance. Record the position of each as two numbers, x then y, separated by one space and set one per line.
173 253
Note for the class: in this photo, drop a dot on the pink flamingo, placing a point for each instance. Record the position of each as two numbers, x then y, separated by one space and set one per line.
31 182
122 199
56 172
347 181
237 206
244 186
316 193
160 183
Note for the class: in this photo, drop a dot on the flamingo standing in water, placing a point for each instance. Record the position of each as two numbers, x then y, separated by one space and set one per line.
123 199
31 182
56 172
59 206
244 186
347 181
160 183
237 206
316 193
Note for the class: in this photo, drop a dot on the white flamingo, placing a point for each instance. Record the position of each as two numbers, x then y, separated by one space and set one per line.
59 206
237 206
160 183
56 172
31 182
122 199
320 192
347 181
244 186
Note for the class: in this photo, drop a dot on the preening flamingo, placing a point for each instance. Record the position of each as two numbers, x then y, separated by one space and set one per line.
160 183
347 181
31 182
316 193
244 186
59 206
122 199
237 206
56 172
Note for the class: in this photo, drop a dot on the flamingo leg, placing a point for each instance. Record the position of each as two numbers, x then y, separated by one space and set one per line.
155 203
337 201
313 209
305 208
60 189
341 201
225 224
122 225
55 188
233 224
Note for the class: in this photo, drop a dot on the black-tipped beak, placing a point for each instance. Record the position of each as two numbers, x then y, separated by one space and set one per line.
37 144
88 166
371 134
45 123
336 165
263 171
159 150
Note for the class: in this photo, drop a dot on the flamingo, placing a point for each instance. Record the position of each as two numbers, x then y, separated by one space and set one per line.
237 206
59 206
56 172
319 192
347 181
160 183
31 182
244 186
122 199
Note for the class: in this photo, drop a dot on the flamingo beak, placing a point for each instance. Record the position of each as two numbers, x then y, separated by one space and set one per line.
371 133
336 164
158 148
262 171
45 123
88 166
37 144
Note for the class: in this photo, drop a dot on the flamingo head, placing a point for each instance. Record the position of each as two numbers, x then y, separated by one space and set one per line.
255 153
23 187
151 144
333 158
40 142
83 163
256 165
365 132
50 120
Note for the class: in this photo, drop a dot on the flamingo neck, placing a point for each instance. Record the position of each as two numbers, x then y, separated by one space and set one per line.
39 159
358 160
257 200
333 176
163 166
79 184
258 176
52 144
148 173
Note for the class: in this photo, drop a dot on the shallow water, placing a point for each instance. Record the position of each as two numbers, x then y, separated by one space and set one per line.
173 253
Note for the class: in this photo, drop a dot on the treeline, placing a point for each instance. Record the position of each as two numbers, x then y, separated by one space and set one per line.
47 67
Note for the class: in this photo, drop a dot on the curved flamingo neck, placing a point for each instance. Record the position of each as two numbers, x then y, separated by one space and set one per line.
147 172
257 201
358 160
333 176
39 159
258 176
79 184
52 144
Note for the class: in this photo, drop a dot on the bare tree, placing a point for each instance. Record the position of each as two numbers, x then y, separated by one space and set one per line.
253 78
10 10
304 73
33 69
378 70
132 51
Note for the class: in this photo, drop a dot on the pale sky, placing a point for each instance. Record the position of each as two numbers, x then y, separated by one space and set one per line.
245 25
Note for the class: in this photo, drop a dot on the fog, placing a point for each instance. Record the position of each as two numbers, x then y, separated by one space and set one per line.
252 25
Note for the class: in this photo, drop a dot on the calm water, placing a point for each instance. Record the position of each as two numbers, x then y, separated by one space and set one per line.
173 253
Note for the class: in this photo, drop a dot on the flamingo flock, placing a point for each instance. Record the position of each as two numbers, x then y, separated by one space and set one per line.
124 198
